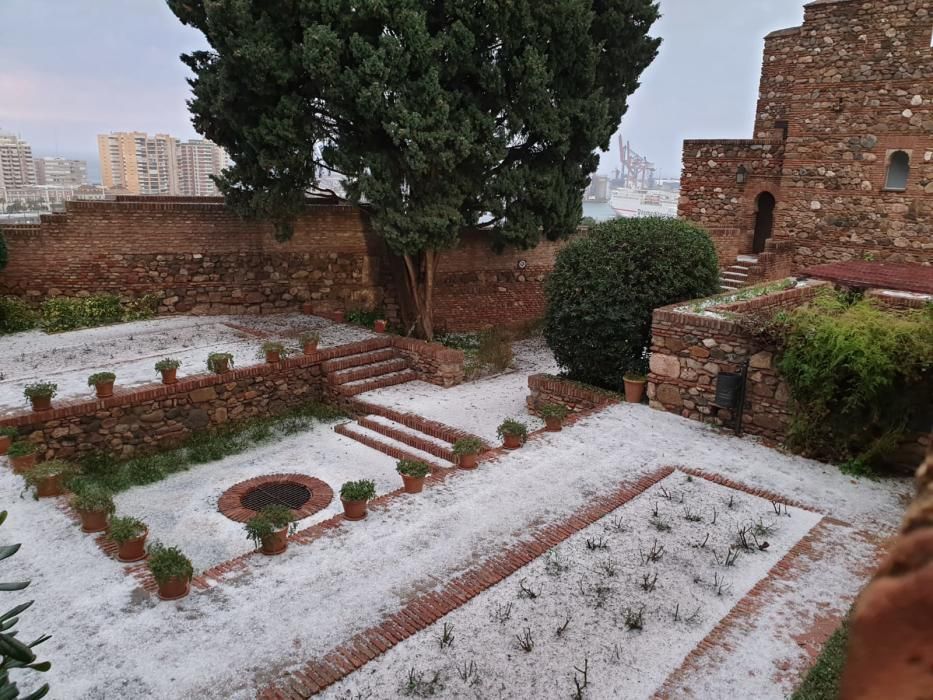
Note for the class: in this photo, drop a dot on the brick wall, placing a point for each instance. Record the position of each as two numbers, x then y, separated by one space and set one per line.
546 389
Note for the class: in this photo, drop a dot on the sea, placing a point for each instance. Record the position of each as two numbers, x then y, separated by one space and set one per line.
600 211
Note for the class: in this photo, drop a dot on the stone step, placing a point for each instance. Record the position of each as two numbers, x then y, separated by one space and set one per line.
727 288
409 436
435 429
390 446
376 369
736 270
358 359
364 385
749 259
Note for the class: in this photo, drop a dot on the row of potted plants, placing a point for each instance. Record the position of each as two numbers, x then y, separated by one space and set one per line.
340 316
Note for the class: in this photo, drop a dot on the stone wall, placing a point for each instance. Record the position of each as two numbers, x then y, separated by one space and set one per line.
838 95
433 362
547 389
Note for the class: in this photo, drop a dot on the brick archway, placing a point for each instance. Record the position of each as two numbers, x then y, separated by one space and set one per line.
230 502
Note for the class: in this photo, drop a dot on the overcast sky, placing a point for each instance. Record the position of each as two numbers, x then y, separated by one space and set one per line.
70 69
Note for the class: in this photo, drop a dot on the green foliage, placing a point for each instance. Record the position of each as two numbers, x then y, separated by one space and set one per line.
14 654
100 378
92 497
16 315
215 362
66 314
273 346
124 529
198 448
495 349
468 446
21 448
362 317
269 520
168 562
167 363
363 490
633 377
44 470
7 431
606 284
512 427
39 390
309 337
417 470
860 376
553 410
495 113
822 682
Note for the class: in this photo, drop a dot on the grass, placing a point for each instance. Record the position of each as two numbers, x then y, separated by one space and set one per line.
822 682
199 448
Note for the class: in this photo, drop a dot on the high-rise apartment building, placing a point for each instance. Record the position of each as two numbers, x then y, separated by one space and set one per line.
61 172
198 159
17 168
139 163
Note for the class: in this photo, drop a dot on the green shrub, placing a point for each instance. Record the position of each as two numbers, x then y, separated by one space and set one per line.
606 284
553 410
468 446
273 346
216 359
512 427
68 313
7 431
92 497
124 529
100 378
16 315
495 349
412 468
21 448
168 562
269 520
363 490
40 390
43 470
362 317
860 378
309 337
167 363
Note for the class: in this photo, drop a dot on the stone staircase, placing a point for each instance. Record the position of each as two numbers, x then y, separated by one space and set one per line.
736 276
403 435
366 370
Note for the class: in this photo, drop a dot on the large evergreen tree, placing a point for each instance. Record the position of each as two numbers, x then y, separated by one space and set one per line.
442 115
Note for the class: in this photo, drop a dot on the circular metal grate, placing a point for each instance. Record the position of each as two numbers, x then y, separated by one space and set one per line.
286 493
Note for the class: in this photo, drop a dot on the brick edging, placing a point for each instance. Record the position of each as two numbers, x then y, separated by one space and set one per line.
423 610
230 505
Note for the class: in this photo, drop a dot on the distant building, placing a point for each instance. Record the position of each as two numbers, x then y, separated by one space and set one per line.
37 198
63 172
139 163
17 168
198 160
598 191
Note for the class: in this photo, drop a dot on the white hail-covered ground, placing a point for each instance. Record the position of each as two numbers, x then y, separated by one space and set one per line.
112 640
130 350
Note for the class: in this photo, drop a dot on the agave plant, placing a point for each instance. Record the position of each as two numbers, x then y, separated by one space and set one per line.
13 652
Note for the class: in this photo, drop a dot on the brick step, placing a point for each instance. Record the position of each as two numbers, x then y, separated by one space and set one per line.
376 369
409 436
358 359
736 271
747 259
389 446
364 385
435 429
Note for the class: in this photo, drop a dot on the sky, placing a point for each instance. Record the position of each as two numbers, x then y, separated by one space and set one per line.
72 69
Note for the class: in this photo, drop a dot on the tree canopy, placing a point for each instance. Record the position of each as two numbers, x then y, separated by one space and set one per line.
441 115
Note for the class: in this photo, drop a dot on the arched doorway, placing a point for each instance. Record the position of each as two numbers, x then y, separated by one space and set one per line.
764 221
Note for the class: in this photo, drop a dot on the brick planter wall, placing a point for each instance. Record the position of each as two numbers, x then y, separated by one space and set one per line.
546 389
433 362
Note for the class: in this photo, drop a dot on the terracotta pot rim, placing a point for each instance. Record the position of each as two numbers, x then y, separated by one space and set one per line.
270 552
141 538
175 597
87 513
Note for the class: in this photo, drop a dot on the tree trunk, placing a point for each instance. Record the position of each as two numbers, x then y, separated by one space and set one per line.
420 286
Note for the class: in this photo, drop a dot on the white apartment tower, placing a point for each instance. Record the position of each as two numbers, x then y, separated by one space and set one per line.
61 172
139 163
17 168
198 160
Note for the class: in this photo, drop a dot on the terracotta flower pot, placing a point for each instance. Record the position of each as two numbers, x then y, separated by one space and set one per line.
93 520
5 442
104 390
174 588
276 543
468 461
49 486
512 442
310 347
553 424
379 326
354 510
272 357
132 550
41 403
339 317
23 464
170 376
413 484
307 308
634 390
221 366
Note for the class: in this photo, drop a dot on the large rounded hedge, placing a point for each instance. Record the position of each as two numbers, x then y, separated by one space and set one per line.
606 284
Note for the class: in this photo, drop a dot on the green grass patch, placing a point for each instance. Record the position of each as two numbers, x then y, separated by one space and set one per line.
116 475
822 682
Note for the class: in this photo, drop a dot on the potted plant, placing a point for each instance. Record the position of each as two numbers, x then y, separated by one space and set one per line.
273 351
130 536
41 394
634 387
7 436
269 529
169 370
379 325
553 414
47 478
103 383
309 342
413 474
94 505
467 450
340 316
355 495
219 362
307 308
171 570
22 455
513 433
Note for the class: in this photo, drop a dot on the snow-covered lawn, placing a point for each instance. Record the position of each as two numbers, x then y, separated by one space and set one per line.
131 350
628 597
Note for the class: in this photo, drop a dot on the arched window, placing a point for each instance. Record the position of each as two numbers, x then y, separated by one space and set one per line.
898 171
